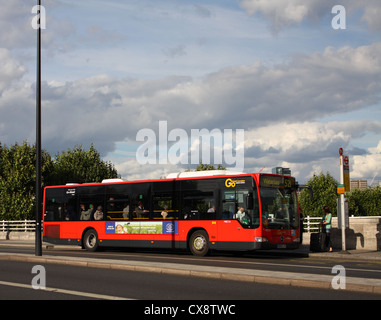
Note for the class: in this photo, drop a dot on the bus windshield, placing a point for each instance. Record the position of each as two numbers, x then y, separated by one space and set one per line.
279 208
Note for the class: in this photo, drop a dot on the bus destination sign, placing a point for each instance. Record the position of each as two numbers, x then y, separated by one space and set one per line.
270 181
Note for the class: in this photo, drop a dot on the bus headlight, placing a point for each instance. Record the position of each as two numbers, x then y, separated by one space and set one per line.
261 239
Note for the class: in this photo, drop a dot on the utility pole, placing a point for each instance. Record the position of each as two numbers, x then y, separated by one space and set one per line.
343 187
38 240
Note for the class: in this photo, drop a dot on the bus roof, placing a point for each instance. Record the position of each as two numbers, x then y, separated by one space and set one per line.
172 176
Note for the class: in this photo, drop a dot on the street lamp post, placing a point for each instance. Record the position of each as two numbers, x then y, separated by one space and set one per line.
38 241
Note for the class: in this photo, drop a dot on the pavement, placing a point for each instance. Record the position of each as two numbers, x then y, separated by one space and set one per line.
248 275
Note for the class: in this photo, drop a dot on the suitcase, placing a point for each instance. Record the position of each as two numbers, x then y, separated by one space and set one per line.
317 242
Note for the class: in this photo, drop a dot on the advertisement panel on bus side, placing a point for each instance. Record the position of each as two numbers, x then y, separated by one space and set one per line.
142 227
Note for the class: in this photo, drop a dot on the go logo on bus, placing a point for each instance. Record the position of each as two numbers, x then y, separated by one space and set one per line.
230 183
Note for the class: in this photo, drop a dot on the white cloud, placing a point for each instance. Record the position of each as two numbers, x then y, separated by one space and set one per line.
367 166
308 137
131 170
106 109
293 12
372 16
281 13
311 147
306 148
10 69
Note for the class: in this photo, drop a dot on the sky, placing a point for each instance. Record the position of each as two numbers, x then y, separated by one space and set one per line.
280 70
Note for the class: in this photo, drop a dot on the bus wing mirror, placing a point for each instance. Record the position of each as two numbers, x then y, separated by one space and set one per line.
250 201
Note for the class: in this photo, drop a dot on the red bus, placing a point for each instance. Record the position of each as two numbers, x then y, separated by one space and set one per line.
213 211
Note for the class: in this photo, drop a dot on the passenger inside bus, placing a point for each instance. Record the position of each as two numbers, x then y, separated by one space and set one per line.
111 204
98 214
126 211
70 214
242 216
164 213
140 212
85 214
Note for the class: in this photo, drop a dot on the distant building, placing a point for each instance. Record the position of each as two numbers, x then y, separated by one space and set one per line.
359 184
280 170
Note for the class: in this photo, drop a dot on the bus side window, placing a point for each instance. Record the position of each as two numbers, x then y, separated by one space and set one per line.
198 205
53 209
70 208
118 207
140 208
70 214
229 205
163 207
228 209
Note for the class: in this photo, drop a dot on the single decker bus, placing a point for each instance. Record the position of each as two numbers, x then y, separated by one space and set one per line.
198 211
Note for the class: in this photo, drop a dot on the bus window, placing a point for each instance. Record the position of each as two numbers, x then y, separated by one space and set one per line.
199 205
235 205
140 211
139 203
70 209
279 208
118 207
229 207
163 206
61 205
53 205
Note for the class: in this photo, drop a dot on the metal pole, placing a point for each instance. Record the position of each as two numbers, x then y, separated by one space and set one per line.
342 205
38 241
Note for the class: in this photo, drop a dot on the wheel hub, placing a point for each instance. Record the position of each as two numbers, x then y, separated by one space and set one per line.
199 243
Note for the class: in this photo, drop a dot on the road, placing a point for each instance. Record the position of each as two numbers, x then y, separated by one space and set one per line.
70 282
109 284
266 260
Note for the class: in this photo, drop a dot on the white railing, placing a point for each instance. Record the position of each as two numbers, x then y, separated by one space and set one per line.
311 224
17 225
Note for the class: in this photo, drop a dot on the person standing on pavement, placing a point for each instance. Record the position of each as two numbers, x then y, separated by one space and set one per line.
326 223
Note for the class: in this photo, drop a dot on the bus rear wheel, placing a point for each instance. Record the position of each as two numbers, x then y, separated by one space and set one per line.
199 243
90 240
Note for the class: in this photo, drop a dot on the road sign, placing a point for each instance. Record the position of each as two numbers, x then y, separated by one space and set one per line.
347 181
340 190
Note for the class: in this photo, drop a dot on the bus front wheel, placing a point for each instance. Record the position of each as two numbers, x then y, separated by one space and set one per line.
90 240
199 243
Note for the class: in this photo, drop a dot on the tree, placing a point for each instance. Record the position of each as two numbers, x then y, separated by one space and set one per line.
324 189
366 202
80 166
18 175
18 180
204 167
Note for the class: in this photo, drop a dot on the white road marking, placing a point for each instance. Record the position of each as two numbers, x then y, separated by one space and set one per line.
64 291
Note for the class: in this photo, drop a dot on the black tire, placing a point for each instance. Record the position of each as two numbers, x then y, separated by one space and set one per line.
199 243
90 240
